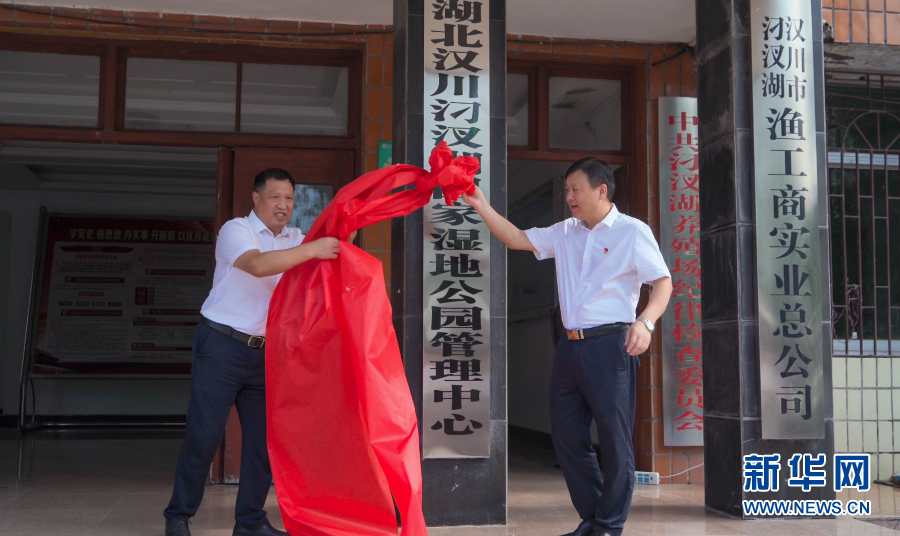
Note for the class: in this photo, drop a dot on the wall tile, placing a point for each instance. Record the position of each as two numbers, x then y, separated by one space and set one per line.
869 372
876 28
840 436
876 5
896 434
842 26
854 436
209 27
697 475
885 437
854 404
895 371
679 465
859 30
892 6
893 29
870 436
840 402
885 411
885 466
884 371
32 20
895 399
873 468
870 405
839 371
854 372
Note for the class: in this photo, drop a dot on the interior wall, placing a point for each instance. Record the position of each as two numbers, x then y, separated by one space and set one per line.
80 397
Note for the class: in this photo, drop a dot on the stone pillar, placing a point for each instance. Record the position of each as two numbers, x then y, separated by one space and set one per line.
728 258
458 491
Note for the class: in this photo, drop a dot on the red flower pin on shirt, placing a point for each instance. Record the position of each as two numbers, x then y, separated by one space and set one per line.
605 250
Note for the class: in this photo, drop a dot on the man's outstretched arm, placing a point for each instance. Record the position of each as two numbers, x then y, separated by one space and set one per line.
260 264
509 234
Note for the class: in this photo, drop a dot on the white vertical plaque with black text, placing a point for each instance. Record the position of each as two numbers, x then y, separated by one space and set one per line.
787 220
456 314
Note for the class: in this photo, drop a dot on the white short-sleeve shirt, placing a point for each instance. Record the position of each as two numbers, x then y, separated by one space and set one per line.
238 299
599 271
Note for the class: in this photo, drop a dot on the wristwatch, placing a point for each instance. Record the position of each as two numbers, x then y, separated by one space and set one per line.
648 323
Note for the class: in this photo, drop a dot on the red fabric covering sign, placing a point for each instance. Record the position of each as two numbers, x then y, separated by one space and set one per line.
342 430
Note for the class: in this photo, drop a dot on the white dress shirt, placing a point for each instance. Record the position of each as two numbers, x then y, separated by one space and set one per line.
599 271
238 299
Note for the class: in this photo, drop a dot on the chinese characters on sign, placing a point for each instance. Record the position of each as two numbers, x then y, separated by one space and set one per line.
851 471
680 243
457 355
787 221
121 295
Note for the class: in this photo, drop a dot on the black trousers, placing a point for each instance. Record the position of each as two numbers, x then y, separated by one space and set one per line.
225 373
595 379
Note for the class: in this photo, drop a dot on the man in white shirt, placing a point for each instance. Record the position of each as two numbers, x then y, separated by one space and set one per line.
229 356
602 258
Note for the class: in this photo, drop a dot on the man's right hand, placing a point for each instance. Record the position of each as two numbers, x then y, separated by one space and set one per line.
325 248
509 234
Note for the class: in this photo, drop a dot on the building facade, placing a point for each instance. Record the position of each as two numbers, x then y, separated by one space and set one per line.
119 113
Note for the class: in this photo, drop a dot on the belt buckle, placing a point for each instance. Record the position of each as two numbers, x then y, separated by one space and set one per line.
576 334
261 341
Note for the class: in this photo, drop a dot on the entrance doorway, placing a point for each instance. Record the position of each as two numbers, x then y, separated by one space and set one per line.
537 199
318 174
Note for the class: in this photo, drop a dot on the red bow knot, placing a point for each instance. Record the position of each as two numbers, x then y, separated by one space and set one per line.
453 175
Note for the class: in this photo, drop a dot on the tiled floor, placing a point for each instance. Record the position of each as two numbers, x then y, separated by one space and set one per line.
88 484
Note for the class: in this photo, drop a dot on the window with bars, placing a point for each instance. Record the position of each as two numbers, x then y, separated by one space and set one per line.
863 121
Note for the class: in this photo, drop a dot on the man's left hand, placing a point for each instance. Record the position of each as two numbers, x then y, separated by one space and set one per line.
638 339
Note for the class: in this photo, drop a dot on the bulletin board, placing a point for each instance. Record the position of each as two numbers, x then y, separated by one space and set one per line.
117 296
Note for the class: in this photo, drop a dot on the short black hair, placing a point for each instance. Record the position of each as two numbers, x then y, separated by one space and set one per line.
598 172
259 183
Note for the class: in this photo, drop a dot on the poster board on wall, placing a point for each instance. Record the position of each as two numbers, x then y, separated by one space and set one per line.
118 296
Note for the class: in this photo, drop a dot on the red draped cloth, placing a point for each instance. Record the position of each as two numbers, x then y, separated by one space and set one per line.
342 430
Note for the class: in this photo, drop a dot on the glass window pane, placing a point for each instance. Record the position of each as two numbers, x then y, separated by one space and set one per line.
585 114
294 99
309 201
163 94
517 109
49 89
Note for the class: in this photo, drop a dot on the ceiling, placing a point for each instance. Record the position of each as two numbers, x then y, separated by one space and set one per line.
626 20
133 169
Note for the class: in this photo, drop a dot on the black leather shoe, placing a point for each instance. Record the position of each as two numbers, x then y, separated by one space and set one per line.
585 528
178 526
265 529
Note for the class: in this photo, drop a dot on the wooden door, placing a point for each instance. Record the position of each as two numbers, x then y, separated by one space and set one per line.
320 171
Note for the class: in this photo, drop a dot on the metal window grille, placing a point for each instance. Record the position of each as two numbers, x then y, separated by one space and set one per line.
863 121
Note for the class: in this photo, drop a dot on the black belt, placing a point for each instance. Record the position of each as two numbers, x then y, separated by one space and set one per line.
607 329
253 341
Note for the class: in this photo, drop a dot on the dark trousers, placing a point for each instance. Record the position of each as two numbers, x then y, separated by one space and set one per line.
225 373
595 379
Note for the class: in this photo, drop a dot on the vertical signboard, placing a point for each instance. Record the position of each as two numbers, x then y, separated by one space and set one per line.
787 214
680 240
456 314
